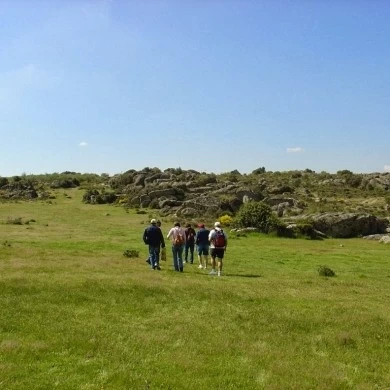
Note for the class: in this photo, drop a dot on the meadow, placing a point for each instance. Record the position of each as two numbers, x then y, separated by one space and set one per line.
77 314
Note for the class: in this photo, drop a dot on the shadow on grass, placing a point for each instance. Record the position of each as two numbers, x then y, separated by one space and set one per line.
244 275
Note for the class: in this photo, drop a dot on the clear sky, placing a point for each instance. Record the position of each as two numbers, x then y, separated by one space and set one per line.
103 86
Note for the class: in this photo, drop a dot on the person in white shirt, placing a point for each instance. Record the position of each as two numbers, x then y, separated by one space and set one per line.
177 236
218 243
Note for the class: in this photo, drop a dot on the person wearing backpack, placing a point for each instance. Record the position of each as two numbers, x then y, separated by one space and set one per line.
190 243
218 243
177 235
154 238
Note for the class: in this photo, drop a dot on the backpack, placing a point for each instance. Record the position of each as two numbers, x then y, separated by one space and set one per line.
179 239
191 235
219 239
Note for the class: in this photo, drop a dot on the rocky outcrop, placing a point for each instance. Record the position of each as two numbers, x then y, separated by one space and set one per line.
385 240
346 225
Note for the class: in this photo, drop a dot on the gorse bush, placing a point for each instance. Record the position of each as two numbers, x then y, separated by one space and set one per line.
226 220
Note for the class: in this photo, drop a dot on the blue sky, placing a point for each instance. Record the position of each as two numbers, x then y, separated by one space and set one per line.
111 85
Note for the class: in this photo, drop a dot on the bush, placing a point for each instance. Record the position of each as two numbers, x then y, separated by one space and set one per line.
95 197
323 270
14 221
3 181
226 220
255 214
131 253
306 228
281 230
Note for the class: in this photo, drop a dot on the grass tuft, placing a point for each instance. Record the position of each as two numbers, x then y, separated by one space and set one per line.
323 270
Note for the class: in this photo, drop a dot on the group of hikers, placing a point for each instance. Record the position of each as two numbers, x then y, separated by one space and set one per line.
184 241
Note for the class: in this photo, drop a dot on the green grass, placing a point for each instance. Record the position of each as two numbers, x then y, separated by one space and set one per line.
77 314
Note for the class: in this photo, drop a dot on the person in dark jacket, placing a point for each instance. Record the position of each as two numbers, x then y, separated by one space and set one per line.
203 245
154 238
190 244
158 223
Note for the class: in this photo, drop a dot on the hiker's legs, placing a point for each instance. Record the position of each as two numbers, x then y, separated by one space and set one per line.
199 251
192 252
186 252
206 260
213 256
175 258
180 257
152 256
158 256
220 255
206 256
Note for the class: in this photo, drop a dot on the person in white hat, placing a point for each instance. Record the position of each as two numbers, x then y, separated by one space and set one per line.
154 238
218 243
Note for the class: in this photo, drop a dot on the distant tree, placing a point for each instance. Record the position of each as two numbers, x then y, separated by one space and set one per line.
258 171
344 172
3 181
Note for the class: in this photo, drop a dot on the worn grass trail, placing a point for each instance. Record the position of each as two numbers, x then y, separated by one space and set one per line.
76 314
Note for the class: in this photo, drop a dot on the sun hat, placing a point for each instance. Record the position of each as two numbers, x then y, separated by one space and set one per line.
217 224
153 221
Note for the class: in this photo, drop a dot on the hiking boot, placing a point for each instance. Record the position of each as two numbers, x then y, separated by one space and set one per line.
200 266
213 272
158 267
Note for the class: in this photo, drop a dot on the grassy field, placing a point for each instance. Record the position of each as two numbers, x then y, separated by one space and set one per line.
77 314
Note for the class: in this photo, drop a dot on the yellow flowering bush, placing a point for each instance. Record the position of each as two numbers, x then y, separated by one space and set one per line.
226 220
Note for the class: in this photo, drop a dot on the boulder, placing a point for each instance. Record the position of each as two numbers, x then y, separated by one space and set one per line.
346 225
385 240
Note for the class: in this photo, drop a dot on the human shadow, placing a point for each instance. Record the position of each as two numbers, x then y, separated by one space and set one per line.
244 275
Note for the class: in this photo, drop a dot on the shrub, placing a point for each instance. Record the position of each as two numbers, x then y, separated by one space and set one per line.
3 181
14 221
258 171
323 270
306 228
226 220
255 214
93 196
281 230
131 253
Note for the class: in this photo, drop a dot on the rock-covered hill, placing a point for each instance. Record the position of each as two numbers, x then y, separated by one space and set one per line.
342 204
189 193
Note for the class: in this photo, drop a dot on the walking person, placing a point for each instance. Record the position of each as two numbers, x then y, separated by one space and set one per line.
202 245
218 243
190 243
158 224
177 236
154 238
